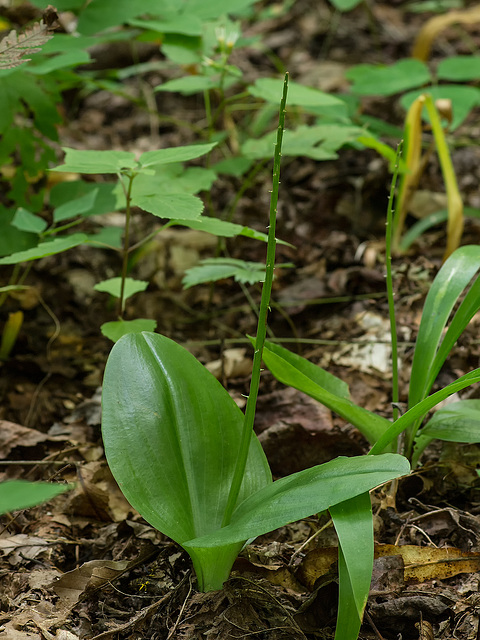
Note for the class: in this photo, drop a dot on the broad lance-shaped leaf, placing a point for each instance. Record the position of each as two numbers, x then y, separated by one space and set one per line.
299 373
421 409
354 526
456 422
302 494
171 434
49 248
448 285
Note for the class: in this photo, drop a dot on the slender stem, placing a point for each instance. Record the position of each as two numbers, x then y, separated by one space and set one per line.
126 240
262 321
390 292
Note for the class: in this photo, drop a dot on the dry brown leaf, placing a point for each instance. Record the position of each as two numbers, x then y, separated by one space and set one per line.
421 563
90 576
429 563
22 547
15 435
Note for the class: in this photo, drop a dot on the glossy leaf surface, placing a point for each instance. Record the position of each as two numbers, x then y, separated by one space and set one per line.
171 434
430 351
456 422
354 526
304 493
299 373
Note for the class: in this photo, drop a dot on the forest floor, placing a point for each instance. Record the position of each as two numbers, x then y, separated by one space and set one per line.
122 579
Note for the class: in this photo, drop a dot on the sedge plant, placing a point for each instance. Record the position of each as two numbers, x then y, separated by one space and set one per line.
457 284
187 458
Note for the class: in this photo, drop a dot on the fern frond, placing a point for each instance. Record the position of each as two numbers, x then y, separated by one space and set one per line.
14 46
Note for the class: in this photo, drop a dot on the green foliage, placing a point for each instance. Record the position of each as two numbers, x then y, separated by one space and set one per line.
213 269
19 494
171 434
414 75
437 335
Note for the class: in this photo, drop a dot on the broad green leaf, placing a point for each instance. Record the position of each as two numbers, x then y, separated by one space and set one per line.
169 205
383 80
302 494
213 8
174 154
430 221
319 142
65 60
463 98
44 249
354 526
102 14
27 221
20 494
185 23
419 410
270 90
96 161
457 422
175 178
106 238
299 373
13 240
72 198
213 269
171 434
224 229
447 286
75 207
113 286
221 228
188 85
237 166
345 5
459 68
118 328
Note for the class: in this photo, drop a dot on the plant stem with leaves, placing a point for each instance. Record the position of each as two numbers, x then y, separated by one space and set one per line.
262 318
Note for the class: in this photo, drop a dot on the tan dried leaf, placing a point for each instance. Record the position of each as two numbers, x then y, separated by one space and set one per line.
14 46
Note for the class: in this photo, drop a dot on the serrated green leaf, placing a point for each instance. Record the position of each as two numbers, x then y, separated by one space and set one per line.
77 161
50 248
113 287
174 154
213 269
169 205
319 142
270 90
